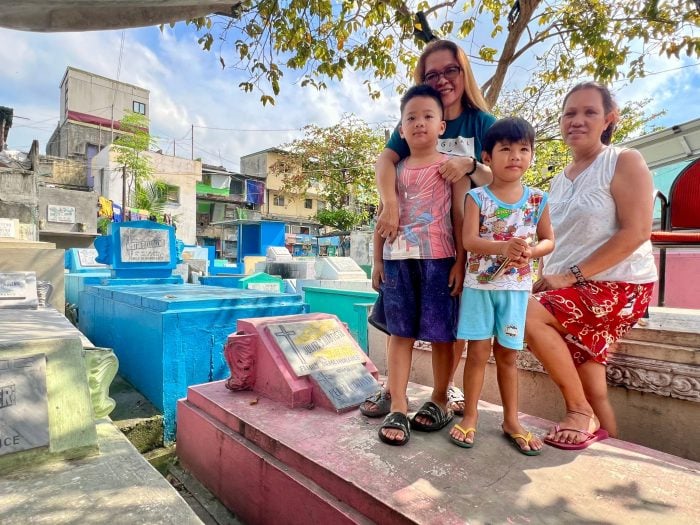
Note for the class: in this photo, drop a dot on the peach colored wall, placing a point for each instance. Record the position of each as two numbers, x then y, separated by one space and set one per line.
682 279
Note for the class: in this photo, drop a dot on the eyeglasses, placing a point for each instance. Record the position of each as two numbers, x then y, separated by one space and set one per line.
450 73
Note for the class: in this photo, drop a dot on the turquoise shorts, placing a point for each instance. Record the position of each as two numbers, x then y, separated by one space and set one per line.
493 313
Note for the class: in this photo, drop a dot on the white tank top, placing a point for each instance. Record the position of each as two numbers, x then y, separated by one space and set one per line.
584 217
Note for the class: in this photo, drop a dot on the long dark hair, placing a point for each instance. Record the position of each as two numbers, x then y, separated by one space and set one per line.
609 106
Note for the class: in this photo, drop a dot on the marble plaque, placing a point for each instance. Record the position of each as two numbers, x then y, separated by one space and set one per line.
346 386
144 245
265 287
18 290
24 416
55 213
316 345
8 228
86 257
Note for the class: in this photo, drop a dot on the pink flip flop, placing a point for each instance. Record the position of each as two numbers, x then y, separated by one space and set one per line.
598 435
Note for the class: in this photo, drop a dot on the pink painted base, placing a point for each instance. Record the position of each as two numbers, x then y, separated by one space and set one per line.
682 279
272 464
273 376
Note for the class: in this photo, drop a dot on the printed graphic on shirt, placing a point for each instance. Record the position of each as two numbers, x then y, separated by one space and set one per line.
500 222
460 146
425 225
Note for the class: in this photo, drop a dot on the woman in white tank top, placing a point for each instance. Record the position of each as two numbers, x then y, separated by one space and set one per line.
598 281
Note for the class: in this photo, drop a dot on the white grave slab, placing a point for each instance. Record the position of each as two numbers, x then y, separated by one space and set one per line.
9 228
18 290
339 268
86 258
277 253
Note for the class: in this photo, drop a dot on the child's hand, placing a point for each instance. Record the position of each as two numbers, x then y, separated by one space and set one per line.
515 248
377 275
520 262
456 279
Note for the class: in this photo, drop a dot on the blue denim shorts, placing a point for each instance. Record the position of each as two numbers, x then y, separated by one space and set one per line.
415 302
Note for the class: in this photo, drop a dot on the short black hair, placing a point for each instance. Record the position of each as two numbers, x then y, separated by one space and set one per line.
422 90
510 129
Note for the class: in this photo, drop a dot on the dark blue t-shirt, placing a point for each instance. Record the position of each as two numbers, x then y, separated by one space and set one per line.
463 136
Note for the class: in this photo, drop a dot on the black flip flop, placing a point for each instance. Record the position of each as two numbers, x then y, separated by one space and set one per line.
398 421
439 417
381 401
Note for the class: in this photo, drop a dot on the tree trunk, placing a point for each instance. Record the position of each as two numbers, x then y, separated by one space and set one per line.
515 31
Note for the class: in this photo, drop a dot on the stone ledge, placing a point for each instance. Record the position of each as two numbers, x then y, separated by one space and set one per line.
678 378
657 377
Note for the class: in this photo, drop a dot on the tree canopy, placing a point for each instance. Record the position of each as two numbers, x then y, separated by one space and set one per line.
338 162
322 39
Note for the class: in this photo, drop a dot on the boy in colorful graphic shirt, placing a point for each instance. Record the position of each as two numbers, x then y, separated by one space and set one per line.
501 222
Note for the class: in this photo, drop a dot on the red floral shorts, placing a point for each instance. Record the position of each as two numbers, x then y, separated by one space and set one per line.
596 314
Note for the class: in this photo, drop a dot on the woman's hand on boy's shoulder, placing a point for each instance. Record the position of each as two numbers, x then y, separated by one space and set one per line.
454 168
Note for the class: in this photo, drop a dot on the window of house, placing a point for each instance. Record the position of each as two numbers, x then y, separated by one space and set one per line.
321 205
236 187
308 204
173 194
278 200
304 230
139 107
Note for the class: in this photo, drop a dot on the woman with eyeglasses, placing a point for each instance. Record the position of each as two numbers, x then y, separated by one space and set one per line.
444 66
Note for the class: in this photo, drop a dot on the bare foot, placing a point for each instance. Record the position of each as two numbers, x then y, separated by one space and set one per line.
568 430
535 442
393 434
468 424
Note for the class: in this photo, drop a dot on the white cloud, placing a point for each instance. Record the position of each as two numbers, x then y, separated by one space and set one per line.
188 86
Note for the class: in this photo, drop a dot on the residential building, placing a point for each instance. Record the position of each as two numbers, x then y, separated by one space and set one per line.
91 108
224 198
298 211
181 176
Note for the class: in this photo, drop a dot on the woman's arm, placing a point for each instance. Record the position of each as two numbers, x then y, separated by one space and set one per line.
632 189
456 278
385 173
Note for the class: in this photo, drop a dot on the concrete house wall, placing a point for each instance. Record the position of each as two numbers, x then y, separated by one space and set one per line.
175 171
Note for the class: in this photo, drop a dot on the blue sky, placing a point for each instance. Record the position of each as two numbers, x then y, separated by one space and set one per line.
188 86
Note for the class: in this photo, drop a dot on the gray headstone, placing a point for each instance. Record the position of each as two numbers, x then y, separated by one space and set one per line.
144 245
24 417
346 386
316 345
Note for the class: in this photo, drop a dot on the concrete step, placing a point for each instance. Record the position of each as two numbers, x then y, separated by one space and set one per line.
670 326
